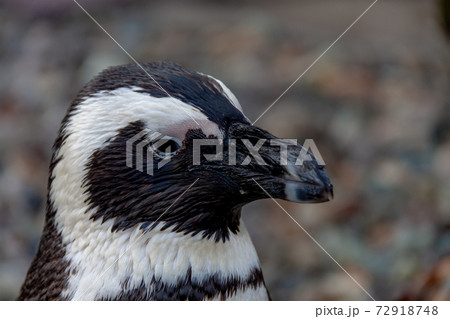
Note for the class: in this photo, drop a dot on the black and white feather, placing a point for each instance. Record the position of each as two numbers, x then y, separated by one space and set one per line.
115 233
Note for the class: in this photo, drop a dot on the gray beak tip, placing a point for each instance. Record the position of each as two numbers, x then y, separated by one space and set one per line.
308 192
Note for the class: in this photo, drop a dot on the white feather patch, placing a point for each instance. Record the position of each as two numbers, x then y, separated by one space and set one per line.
103 260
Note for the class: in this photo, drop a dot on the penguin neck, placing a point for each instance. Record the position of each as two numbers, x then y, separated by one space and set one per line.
153 265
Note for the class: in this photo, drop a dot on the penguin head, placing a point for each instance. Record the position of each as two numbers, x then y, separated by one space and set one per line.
158 143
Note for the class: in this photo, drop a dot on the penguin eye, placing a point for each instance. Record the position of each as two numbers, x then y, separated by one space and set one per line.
166 146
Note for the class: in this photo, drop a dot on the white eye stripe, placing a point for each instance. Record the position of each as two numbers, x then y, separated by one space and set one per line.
228 94
100 117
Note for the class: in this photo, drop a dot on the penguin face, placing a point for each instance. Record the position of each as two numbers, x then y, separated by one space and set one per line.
93 164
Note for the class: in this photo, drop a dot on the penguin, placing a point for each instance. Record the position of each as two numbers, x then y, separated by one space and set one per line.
121 226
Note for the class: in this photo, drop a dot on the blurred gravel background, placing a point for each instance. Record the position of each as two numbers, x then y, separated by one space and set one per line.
377 105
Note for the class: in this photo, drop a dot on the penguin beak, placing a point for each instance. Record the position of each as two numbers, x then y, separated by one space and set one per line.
284 169
308 184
